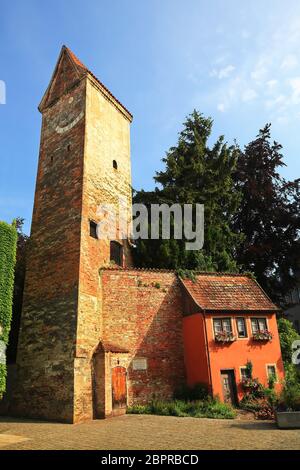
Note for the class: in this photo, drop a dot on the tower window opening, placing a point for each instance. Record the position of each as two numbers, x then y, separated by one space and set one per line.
69 147
115 165
93 229
116 253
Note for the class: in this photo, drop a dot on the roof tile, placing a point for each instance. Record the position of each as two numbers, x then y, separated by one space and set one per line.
228 293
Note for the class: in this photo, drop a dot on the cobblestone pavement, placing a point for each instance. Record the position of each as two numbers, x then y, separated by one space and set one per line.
146 432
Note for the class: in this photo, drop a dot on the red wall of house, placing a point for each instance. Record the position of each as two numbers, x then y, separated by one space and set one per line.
235 355
195 352
142 312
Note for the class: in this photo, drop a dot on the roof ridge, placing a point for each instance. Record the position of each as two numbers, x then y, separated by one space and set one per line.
197 273
82 65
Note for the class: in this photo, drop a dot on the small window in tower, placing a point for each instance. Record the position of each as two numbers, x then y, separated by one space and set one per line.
69 147
116 253
93 229
115 165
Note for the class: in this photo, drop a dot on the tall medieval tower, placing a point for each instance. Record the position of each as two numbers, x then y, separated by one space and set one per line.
84 161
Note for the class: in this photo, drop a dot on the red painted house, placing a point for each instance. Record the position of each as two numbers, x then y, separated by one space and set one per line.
228 321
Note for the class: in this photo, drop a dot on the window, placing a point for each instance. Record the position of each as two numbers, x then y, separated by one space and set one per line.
271 371
115 165
222 324
241 327
245 373
116 253
93 229
258 324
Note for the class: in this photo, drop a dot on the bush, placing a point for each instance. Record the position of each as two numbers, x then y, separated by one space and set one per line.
261 401
289 399
287 335
210 408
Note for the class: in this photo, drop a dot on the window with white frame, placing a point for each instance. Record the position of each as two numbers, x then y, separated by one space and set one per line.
222 324
258 325
271 371
241 327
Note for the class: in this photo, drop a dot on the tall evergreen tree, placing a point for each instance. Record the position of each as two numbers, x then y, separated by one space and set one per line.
195 173
268 216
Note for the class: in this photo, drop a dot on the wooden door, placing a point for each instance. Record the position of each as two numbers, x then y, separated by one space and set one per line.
119 390
228 386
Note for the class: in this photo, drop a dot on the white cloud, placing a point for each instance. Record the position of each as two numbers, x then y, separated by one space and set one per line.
223 72
295 85
249 95
260 70
221 107
271 84
289 62
279 100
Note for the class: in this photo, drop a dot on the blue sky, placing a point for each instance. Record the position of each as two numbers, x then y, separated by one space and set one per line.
236 61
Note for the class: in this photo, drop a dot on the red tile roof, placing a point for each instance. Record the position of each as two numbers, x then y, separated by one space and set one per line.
81 65
228 292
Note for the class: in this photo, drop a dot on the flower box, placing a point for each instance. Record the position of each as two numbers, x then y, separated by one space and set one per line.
262 336
249 383
224 337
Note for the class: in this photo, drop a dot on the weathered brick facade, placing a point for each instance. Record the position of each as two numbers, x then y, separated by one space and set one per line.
71 308
141 318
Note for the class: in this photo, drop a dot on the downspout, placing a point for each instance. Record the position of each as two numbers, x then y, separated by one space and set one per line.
207 351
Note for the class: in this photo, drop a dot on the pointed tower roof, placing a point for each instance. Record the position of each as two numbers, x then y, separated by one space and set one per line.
67 60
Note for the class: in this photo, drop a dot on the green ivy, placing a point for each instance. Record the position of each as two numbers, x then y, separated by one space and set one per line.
8 246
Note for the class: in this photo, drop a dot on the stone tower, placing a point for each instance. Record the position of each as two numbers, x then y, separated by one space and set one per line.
84 161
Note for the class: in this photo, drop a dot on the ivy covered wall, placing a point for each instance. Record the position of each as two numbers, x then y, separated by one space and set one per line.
8 245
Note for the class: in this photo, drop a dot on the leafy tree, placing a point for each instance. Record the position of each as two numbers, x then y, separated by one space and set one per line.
287 335
268 216
195 173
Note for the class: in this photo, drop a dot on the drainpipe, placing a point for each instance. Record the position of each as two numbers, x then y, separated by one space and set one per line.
207 351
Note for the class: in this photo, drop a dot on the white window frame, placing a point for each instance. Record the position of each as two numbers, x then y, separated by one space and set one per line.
276 373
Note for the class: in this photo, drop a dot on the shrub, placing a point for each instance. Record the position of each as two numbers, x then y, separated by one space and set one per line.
287 335
138 410
261 401
290 397
210 408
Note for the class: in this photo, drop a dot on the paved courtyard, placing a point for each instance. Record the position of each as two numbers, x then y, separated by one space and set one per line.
146 432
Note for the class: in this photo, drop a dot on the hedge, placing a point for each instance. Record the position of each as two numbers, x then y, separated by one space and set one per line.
8 246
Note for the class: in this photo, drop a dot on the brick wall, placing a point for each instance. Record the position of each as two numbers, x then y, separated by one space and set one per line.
142 312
